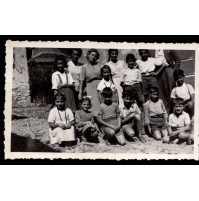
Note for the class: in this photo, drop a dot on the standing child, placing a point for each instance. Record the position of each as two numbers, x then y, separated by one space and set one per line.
61 121
147 67
184 91
131 116
84 121
179 123
156 115
107 81
109 117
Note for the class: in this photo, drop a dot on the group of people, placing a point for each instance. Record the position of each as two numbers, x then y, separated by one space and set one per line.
121 98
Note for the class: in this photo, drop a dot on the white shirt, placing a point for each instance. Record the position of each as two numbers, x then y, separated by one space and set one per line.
103 83
131 76
183 91
159 54
56 80
148 65
124 112
180 121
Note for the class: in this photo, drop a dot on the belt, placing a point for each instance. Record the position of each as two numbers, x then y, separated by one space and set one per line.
144 74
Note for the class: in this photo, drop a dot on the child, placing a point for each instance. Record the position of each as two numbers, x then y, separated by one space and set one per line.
130 115
62 81
107 82
84 121
179 123
147 67
184 91
156 115
109 117
61 121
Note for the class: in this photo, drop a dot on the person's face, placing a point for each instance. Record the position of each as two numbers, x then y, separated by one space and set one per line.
178 108
144 55
127 101
59 102
114 56
154 96
107 98
85 105
60 65
131 63
106 74
92 57
180 80
75 56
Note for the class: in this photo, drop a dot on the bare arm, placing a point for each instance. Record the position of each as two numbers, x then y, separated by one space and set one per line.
80 90
128 118
100 97
53 125
103 123
159 70
186 128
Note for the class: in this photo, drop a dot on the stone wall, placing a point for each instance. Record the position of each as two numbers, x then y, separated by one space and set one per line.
21 88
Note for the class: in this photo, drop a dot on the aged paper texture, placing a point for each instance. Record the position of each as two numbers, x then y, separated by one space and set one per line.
32 81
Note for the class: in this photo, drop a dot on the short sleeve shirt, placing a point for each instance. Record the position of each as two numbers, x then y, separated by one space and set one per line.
103 83
180 121
131 76
124 112
56 115
183 91
109 111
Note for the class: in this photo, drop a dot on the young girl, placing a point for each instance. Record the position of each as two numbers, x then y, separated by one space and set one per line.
84 121
61 121
62 81
106 82
109 117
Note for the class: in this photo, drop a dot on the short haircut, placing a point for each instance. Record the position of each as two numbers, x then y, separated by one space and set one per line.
128 93
178 72
179 101
59 94
84 99
93 50
59 57
112 50
105 67
107 91
153 89
130 56
78 50
140 50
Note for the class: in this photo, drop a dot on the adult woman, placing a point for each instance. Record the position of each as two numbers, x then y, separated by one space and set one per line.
90 73
117 67
170 62
62 81
74 69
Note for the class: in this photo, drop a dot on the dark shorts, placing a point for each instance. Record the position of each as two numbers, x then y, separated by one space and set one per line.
136 90
147 82
157 123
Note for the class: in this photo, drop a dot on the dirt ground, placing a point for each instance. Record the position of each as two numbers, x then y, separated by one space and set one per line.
35 128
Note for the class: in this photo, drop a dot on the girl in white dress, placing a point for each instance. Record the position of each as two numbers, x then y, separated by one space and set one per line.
61 121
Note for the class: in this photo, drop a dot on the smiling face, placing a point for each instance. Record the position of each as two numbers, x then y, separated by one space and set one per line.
60 65
75 56
180 80
106 74
154 96
127 101
178 108
60 102
92 57
113 56
131 63
85 106
144 55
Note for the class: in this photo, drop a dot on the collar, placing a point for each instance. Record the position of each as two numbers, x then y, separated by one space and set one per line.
104 81
132 106
179 115
181 86
57 72
114 63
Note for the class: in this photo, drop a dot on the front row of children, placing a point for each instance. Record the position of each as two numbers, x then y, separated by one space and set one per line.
116 123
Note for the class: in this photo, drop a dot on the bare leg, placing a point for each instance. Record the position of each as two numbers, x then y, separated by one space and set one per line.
109 132
120 138
157 135
165 138
138 123
184 136
128 130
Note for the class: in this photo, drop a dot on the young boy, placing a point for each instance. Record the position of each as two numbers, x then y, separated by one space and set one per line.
147 67
184 91
156 115
131 116
179 123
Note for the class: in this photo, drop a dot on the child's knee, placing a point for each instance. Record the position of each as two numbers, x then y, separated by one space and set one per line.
131 133
184 135
111 133
157 135
165 139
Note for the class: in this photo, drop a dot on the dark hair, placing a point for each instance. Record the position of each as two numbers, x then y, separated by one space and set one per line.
130 56
108 68
128 93
153 89
93 50
107 91
178 72
78 50
179 101
85 99
140 50
58 94
59 57
109 53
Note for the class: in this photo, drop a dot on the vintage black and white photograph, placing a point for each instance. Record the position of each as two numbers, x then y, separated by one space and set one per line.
102 100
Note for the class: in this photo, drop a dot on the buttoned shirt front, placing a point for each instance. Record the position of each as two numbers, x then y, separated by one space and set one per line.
124 112
159 54
131 76
180 121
